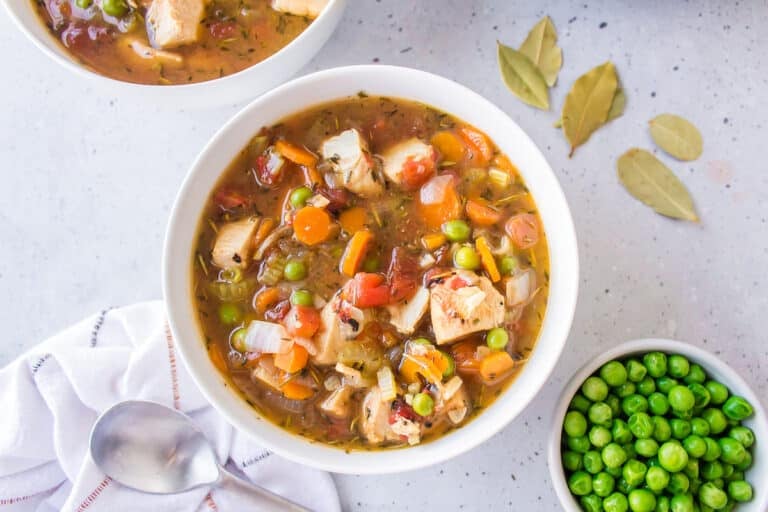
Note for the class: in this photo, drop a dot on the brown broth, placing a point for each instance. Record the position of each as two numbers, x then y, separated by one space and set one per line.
235 34
382 121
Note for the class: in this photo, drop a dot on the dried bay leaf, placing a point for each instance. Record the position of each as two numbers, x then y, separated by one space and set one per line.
676 136
653 183
618 104
588 103
541 47
522 77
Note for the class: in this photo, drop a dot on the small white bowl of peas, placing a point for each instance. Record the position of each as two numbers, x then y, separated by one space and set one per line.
658 425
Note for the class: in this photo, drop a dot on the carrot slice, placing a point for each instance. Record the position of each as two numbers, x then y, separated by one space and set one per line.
312 225
495 366
449 145
295 153
293 360
353 219
355 252
214 352
487 259
463 354
264 229
295 391
482 151
266 298
432 241
411 366
312 177
481 214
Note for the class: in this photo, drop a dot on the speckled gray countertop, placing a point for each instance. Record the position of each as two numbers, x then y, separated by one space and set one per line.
88 180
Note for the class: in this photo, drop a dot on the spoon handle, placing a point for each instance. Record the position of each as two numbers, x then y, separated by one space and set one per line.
267 499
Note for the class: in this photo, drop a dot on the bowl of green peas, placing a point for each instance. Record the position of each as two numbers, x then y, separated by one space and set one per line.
657 425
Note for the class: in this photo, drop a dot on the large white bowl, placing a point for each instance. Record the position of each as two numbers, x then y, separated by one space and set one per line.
230 89
757 475
394 82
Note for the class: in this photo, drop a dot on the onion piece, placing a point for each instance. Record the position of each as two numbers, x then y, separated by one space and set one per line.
270 240
519 287
353 377
433 191
267 338
386 380
307 344
451 387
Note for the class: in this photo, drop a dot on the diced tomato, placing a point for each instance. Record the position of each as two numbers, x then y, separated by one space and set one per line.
402 274
303 321
417 172
269 168
523 229
456 283
400 409
229 199
367 290
223 29
277 312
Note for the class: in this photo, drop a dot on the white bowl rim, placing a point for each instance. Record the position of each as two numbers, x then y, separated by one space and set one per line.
563 286
706 359
85 72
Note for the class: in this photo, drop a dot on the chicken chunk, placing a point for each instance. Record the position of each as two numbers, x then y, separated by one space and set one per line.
457 407
520 287
352 163
233 243
310 8
339 321
462 304
409 152
374 418
338 403
172 23
406 315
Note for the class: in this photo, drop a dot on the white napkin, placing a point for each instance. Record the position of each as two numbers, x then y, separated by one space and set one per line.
51 396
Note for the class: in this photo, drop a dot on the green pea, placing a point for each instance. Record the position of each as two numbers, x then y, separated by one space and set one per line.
636 371
712 470
571 460
742 434
613 455
600 414
634 403
718 393
575 424
616 502
728 470
614 403
450 364
423 404
467 258
579 403
634 472
237 339
629 449
613 373
591 503
716 419
657 479
623 486
603 484
646 447
662 504
680 428
664 384
680 398
299 196
711 496
371 264
456 230
646 386
672 456
508 265
691 469
656 363
658 404
713 450
580 483
295 270
733 452
230 314
700 427
737 408
83 4
736 475
682 503
599 436
497 338
641 425
626 389
746 463
740 491
579 444
116 8
695 374
700 395
620 431
695 446
592 462
642 500
595 389
302 298
678 483
662 431
678 366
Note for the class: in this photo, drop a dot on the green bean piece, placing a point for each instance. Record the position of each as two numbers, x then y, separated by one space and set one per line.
646 447
742 434
456 230
711 496
737 408
718 393
600 436
695 446
636 371
656 363
696 374
571 460
657 479
592 462
613 455
613 373
646 386
672 456
595 389
580 483
616 502
716 419
641 425
603 484
662 431
700 427
713 450
732 451
658 403
641 500
740 491
620 431
634 403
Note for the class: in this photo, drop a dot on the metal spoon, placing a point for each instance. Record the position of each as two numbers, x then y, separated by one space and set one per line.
155 449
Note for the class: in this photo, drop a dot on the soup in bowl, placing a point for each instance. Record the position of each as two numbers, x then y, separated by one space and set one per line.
371 272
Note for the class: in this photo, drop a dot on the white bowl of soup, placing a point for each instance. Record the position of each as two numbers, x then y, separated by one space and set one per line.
180 52
370 269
